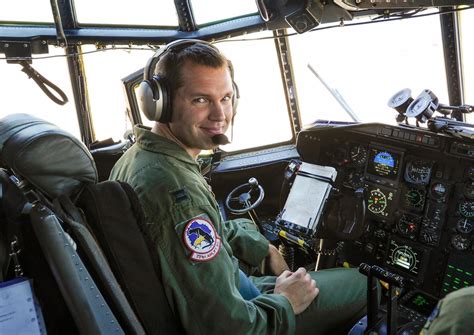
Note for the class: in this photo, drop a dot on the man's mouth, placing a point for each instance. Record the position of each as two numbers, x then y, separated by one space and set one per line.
212 131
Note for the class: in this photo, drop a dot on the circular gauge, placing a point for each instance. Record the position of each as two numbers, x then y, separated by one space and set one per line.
470 172
418 106
354 179
464 226
340 156
415 198
460 242
377 201
423 107
438 190
408 225
380 233
428 236
400 100
418 172
469 191
358 154
466 208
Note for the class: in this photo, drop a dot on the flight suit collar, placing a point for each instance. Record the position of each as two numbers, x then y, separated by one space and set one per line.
156 143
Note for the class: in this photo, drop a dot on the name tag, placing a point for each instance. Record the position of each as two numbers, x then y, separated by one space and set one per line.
19 312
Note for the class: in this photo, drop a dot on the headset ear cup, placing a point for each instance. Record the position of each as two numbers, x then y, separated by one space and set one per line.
146 99
154 99
165 111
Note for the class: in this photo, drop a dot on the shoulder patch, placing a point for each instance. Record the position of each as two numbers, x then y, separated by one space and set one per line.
200 237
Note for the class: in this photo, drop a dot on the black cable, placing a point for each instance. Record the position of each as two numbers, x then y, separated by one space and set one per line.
46 86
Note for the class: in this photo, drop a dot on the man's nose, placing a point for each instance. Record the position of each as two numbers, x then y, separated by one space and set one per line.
218 111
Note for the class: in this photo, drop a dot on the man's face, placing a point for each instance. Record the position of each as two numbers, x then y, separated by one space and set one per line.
202 107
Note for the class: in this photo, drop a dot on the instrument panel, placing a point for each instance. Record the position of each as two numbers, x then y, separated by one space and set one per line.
419 194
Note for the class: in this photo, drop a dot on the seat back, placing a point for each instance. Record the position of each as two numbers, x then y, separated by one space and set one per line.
16 232
115 215
104 219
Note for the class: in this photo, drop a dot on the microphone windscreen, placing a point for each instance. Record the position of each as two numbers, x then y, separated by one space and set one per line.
220 139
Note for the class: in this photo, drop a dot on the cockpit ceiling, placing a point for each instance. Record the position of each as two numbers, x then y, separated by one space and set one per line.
81 21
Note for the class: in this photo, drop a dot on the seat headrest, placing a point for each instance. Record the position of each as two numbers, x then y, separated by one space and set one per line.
51 159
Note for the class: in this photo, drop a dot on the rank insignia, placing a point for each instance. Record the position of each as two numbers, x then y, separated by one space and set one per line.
201 239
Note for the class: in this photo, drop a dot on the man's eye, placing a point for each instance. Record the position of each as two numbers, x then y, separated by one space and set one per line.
200 100
227 98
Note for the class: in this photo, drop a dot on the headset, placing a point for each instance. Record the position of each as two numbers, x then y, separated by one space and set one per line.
154 93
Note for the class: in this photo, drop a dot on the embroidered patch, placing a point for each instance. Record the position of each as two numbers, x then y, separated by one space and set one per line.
201 239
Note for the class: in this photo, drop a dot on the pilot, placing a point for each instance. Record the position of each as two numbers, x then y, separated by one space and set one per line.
454 314
199 252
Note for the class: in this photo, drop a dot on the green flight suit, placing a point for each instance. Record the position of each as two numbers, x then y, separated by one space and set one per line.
200 253
454 314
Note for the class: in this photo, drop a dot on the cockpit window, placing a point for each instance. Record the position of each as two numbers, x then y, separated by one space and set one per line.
363 66
207 11
122 12
20 94
105 70
26 11
262 116
467 36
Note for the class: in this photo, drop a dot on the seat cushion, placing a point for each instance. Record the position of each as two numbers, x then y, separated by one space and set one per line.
51 159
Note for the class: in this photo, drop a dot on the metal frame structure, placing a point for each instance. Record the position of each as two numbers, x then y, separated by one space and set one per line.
67 33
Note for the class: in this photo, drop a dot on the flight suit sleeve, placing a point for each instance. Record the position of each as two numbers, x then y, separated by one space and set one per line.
247 243
203 286
454 314
199 273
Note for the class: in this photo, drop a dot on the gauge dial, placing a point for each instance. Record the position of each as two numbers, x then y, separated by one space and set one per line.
438 190
470 173
469 191
354 179
339 156
377 201
418 106
380 233
415 198
401 100
418 172
358 154
429 236
408 225
466 209
460 242
464 226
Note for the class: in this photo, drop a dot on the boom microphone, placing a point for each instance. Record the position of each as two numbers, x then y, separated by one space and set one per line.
220 139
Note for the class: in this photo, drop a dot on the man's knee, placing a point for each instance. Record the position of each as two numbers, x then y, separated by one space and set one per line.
341 302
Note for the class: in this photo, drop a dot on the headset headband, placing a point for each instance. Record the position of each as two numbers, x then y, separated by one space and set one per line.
175 45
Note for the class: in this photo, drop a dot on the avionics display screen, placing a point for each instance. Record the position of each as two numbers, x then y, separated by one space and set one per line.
405 257
421 303
383 163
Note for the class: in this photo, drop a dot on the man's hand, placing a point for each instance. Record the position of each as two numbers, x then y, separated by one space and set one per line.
298 287
275 261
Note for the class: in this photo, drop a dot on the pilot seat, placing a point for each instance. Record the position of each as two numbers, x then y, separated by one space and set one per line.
83 244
